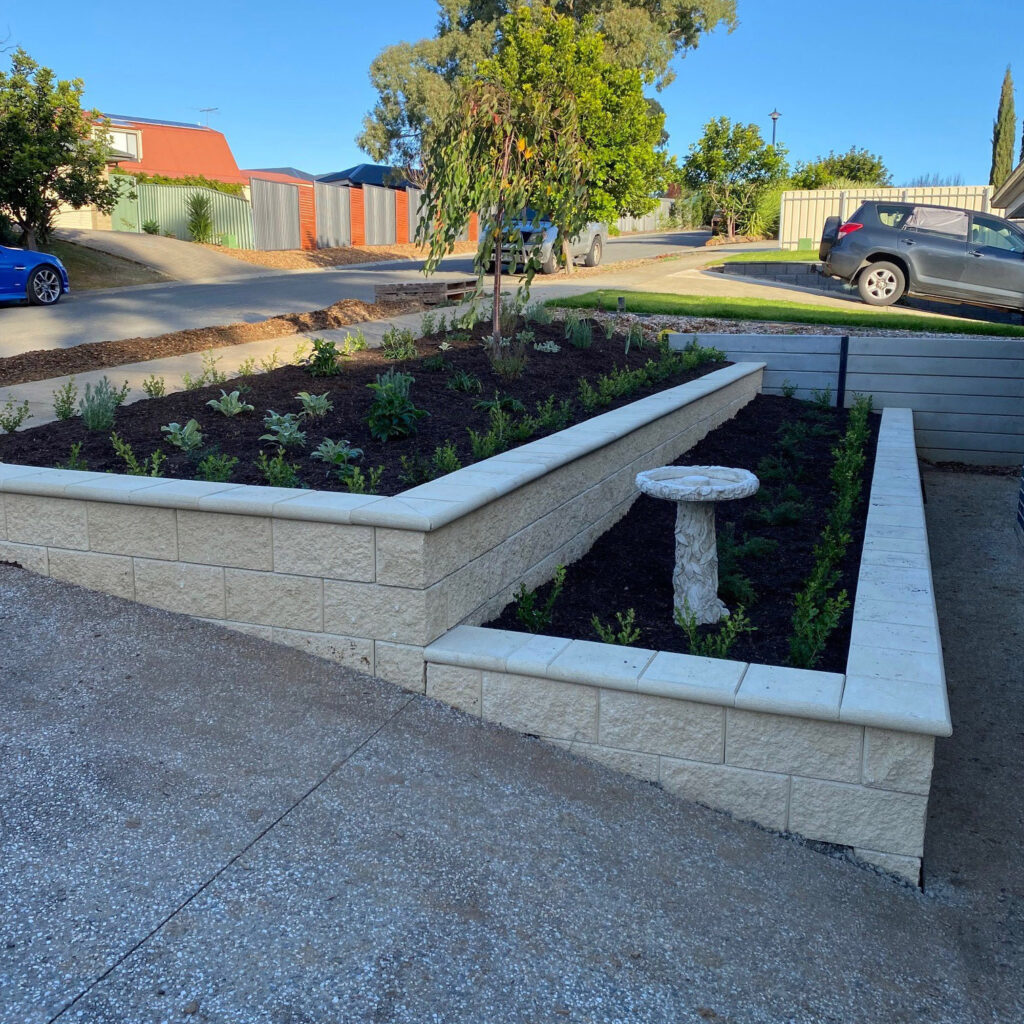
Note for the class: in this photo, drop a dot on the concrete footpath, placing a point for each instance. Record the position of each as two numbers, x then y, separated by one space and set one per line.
199 825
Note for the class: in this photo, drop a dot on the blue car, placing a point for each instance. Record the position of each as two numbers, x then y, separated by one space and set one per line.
35 277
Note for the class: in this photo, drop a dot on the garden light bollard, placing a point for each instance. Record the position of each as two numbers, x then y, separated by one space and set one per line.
695 489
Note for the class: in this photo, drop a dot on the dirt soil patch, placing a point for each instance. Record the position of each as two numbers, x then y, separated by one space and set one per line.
631 565
42 364
451 412
312 259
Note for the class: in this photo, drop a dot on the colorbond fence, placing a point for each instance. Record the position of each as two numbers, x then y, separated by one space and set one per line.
803 213
967 393
275 214
379 211
167 206
333 215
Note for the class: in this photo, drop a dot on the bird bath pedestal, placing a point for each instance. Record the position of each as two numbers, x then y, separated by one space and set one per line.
695 489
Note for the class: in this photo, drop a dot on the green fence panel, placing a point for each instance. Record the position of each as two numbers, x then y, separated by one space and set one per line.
125 215
167 205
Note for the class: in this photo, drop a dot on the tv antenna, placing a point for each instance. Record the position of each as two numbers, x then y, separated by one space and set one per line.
208 111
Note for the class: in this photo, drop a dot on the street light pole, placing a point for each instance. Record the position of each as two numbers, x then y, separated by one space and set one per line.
774 115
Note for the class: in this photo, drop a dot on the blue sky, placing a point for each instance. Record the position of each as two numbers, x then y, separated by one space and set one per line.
291 79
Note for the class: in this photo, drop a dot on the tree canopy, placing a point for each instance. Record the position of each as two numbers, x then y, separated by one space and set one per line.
415 82
855 165
731 164
1004 132
50 153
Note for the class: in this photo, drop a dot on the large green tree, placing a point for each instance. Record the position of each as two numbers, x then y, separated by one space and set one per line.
50 153
856 165
1004 133
731 164
415 81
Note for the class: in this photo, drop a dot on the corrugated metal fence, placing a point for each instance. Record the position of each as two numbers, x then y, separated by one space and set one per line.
967 393
803 213
333 215
275 214
657 218
379 211
167 207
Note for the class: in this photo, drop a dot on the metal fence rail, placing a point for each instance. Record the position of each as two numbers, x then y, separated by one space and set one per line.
333 215
275 214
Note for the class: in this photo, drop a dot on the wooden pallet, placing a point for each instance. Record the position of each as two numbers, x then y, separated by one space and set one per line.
430 293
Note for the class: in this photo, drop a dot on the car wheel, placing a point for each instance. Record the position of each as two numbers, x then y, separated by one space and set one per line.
881 284
593 258
550 265
44 286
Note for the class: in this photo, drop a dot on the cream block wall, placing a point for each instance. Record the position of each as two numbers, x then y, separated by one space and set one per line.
363 580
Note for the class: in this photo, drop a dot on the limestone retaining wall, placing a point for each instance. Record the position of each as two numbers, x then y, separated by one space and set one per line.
844 758
365 580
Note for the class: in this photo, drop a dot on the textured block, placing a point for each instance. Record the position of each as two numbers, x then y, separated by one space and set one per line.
401 557
907 868
133 530
900 761
323 549
111 574
53 522
402 664
210 538
273 599
661 725
384 613
855 816
794 746
457 686
751 796
181 587
629 762
28 556
540 706
351 651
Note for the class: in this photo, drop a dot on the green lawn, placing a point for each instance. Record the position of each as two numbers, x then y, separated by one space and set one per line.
774 256
780 310
89 269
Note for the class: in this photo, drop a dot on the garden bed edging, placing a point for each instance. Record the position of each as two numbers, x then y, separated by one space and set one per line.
365 580
842 758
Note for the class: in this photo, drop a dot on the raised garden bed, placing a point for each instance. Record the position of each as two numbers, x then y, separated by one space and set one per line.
453 413
781 525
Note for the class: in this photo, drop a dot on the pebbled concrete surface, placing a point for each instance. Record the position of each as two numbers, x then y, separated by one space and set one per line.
198 825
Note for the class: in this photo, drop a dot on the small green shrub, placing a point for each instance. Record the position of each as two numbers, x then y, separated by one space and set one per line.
65 398
359 483
216 468
323 360
495 439
715 643
525 337
188 438
207 376
436 363
578 331
247 369
200 217
283 430
553 417
509 359
154 386
151 227
74 459
588 396
428 324
507 402
337 456
277 472
392 413
635 337
271 362
229 405
823 398
534 614
461 380
446 459
315 407
537 313
416 469
398 344
353 342
788 388
626 635
149 466
551 347
98 405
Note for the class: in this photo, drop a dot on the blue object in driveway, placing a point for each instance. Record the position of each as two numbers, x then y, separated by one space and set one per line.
34 277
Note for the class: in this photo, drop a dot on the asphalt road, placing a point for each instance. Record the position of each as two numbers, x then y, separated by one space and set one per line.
149 310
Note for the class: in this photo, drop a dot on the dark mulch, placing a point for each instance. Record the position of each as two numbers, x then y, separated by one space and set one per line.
630 566
451 412
42 364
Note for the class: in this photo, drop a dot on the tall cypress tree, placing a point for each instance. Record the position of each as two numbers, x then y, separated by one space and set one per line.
1004 130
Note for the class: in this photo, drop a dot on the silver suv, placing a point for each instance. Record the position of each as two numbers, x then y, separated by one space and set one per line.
537 239
894 249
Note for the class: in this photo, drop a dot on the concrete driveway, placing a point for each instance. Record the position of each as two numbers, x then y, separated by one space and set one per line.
199 825
156 309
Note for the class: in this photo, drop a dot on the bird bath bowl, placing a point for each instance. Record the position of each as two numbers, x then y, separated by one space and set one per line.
695 489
